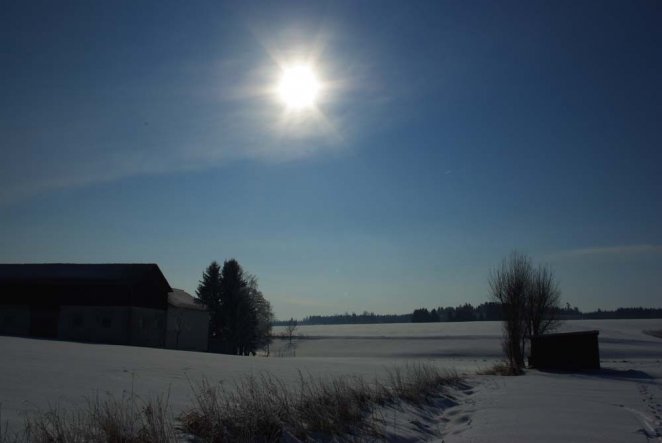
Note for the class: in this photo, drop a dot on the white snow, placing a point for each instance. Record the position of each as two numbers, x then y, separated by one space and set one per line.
182 299
617 404
620 403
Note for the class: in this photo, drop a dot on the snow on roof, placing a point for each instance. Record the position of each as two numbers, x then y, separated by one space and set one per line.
182 299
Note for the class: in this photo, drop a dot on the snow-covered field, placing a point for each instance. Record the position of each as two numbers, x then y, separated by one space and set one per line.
623 402
465 343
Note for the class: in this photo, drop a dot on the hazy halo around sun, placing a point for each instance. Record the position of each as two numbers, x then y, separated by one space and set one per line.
298 87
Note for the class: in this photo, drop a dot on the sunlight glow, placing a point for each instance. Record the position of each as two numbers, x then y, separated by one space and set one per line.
299 87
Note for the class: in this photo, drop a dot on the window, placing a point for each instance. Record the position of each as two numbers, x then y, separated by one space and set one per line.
106 322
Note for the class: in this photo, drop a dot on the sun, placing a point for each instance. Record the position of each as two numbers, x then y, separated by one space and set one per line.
299 87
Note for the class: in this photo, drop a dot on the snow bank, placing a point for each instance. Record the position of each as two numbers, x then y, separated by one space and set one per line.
616 404
621 403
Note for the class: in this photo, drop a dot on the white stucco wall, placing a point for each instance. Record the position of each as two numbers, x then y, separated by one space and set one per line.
147 326
187 329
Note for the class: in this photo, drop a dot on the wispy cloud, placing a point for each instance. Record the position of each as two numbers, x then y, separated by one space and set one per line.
620 250
218 121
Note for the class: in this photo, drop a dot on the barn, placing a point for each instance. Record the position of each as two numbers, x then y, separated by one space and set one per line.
127 304
187 322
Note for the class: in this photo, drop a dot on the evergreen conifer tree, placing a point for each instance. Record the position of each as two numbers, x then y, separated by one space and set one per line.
234 309
209 293
240 316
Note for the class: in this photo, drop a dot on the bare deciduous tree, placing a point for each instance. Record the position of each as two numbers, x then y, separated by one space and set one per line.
543 302
509 286
180 326
264 314
290 329
529 300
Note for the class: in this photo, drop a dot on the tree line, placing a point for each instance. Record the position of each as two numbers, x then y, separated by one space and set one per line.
488 311
625 313
240 318
350 319
491 311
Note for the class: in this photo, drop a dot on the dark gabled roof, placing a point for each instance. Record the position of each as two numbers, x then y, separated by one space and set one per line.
116 273
568 334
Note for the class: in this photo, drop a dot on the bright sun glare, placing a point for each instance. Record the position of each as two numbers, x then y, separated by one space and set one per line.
298 87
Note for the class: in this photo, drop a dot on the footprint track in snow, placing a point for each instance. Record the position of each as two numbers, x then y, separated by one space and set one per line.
650 418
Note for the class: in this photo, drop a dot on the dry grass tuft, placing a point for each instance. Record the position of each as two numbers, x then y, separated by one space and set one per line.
415 383
4 429
264 409
127 419
256 409
501 368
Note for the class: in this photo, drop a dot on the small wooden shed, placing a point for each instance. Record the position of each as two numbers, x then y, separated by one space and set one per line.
568 351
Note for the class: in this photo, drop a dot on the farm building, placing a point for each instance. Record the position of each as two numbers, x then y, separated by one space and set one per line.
128 304
568 351
187 322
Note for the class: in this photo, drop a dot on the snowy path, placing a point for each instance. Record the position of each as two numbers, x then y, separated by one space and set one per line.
616 404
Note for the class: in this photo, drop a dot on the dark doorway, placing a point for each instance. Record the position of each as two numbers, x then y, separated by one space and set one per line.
44 321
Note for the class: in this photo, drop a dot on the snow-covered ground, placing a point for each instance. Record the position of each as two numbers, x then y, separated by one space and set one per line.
620 403
466 342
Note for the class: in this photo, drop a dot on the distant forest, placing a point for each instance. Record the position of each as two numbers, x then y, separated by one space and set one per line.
484 312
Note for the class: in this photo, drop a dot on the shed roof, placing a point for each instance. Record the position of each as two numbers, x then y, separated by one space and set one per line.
570 334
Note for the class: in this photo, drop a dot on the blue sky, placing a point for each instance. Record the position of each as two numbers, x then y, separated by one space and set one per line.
447 134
